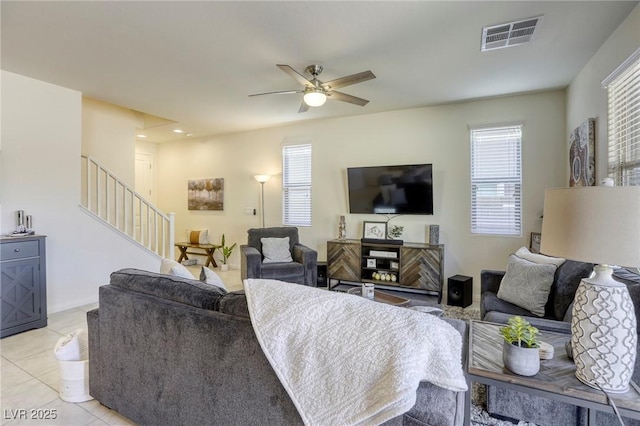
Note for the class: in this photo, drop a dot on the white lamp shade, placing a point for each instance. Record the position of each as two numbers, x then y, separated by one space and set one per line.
315 98
596 224
262 178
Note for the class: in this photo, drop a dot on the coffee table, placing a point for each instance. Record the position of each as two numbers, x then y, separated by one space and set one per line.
380 296
556 379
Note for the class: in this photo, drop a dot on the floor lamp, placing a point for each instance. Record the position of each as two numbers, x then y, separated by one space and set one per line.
262 179
598 224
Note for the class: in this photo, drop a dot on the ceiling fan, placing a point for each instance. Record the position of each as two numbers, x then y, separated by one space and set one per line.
316 92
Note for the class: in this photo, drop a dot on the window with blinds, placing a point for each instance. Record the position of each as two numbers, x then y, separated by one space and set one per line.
296 185
623 87
496 180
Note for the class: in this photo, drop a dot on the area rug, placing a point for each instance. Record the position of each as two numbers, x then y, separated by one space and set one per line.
479 415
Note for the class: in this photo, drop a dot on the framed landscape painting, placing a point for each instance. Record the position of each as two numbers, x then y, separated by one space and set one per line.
206 194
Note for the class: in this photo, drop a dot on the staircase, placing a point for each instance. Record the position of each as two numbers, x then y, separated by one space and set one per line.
110 200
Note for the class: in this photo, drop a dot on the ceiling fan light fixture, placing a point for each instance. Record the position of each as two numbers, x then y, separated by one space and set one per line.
315 98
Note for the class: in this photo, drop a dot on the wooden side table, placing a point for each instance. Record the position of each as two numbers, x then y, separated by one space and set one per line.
556 379
207 249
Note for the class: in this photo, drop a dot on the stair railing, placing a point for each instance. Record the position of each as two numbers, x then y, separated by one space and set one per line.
111 200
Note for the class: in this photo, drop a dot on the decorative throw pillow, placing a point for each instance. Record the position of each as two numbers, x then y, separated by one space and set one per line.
524 253
171 267
198 237
527 284
276 250
210 277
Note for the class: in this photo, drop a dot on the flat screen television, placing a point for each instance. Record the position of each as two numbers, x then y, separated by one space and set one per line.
401 189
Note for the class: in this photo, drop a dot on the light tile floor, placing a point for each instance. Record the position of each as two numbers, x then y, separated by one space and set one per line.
30 377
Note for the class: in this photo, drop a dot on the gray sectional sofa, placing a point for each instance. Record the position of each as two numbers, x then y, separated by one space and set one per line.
173 351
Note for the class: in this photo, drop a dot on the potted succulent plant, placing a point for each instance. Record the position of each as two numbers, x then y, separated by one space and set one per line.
226 253
395 232
520 352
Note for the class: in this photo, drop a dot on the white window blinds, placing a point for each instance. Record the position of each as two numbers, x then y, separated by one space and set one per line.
623 87
296 185
496 180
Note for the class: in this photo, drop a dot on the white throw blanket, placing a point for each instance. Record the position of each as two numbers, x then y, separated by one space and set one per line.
346 360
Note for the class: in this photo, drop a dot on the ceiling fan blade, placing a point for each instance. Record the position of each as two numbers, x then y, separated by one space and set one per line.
348 80
339 96
303 107
295 74
282 92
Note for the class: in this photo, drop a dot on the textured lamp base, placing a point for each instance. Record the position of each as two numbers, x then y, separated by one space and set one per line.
603 332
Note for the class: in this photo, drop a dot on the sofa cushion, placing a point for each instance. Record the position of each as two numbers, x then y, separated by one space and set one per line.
182 290
566 283
276 250
524 253
282 270
527 284
234 303
492 303
199 236
210 277
171 267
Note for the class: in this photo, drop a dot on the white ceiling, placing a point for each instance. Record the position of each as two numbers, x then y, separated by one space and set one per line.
195 63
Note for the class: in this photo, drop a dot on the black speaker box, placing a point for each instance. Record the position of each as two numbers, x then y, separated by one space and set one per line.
322 274
459 291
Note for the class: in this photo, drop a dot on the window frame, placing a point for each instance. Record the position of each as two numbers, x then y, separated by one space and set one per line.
623 122
485 222
295 188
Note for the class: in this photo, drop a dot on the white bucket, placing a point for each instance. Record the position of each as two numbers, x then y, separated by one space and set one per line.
74 381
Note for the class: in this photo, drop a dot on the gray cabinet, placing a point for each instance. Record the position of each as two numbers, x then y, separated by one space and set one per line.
23 284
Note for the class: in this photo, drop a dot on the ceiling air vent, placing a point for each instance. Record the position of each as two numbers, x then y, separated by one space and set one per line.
507 35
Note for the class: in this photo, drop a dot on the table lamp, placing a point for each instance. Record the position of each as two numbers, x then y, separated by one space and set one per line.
599 225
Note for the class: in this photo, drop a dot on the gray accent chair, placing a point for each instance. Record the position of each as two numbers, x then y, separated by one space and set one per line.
303 269
165 350
512 405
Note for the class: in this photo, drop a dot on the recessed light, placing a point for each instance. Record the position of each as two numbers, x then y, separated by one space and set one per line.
189 134
141 136
178 131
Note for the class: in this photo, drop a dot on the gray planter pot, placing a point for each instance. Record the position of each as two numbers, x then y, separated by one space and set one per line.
520 360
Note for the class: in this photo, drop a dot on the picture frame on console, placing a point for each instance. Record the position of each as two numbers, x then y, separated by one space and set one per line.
534 244
374 230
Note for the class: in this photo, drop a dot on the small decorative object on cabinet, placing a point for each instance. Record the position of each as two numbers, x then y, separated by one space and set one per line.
520 352
434 234
342 229
374 230
23 284
395 232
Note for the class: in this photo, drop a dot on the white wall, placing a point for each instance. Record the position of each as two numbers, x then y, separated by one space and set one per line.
108 135
40 174
437 135
586 97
